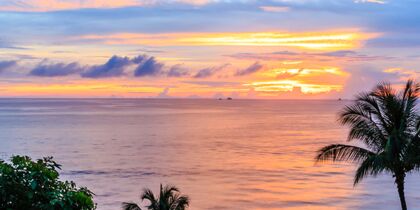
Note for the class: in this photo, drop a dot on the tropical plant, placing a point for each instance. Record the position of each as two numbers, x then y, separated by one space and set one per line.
386 123
169 199
27 184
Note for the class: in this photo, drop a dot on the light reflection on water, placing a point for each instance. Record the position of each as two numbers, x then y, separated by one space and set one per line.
239 154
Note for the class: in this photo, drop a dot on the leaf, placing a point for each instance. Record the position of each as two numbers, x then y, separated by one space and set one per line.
33 184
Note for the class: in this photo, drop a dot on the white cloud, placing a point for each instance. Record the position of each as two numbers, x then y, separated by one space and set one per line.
274 9
370 1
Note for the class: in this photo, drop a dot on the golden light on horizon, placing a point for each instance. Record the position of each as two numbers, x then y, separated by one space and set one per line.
113 88
86 89
292 86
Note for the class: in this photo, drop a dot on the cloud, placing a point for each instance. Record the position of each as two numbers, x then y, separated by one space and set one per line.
278 86
314 40
23 56
289 74
144 66
404 74
149 67
55 69
210 71
54 5
168 17
178 70
7 45
370 1
274 9
213 83
115 66
340 55
164 93
403 41
57 5
5 65
365 77
250 70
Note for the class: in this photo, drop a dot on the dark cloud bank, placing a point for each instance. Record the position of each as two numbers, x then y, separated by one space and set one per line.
5 65
56 69
116 66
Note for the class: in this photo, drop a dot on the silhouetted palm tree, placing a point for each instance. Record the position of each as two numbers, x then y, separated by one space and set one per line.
387 123
168 199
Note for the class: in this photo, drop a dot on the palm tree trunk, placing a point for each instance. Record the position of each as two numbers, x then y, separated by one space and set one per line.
399 180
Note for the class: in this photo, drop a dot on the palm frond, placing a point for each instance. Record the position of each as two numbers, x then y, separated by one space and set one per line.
373 165
372 106
148 195
342 152
417 127
364 125
182 202
409 113
167 192
168 199
130 206
368 134
391 105
387 122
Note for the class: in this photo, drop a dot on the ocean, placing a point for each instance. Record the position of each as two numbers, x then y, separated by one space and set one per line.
224 154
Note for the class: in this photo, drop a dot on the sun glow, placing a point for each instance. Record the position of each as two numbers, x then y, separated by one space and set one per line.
292 86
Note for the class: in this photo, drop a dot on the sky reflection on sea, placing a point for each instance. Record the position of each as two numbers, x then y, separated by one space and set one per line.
239 154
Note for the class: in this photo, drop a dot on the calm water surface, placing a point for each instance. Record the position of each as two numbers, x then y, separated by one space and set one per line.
226 155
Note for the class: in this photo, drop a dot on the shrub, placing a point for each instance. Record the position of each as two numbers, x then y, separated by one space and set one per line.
28 184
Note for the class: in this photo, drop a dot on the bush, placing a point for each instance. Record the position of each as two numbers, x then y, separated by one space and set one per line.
27 184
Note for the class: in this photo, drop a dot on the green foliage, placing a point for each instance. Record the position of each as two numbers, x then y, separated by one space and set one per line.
387 123
26 184
168 199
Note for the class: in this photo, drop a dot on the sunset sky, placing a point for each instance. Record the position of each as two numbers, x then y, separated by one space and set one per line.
280 49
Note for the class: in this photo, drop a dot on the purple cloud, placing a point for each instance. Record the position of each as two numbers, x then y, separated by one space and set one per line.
210 71
178 70
114 67
149 67
250 70
5 65
55 69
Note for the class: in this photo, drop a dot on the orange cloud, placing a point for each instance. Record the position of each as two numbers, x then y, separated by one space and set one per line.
310 40
404 73
277 86
54 5
50 5
298 81
274 9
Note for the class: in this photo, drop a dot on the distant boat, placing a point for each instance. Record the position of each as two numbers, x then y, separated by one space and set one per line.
229 98
339 99
220 99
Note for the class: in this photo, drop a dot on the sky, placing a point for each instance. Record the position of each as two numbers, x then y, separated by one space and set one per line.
268 49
